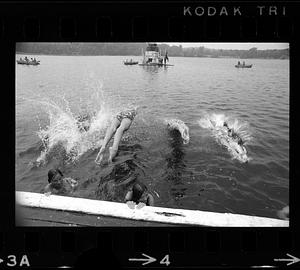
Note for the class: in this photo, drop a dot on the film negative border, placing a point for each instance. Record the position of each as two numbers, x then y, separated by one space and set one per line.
125 248
186 22
185 246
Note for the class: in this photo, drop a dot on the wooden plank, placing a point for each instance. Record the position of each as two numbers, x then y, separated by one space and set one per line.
147 213
30 216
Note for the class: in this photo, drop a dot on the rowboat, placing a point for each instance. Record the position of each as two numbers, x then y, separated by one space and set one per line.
155 215
131 62
243 66
20 62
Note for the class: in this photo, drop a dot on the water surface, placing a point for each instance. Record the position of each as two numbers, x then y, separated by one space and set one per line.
199 175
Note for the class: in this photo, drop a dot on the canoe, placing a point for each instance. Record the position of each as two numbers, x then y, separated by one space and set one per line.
131 63
147 213
28 63
243 66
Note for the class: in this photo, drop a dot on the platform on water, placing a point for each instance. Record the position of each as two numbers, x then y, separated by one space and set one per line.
147 213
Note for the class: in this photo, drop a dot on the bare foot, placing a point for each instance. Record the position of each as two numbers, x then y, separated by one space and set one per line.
100 156
112 154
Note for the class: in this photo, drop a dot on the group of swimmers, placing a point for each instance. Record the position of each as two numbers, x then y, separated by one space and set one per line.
120 124
138 194
58 184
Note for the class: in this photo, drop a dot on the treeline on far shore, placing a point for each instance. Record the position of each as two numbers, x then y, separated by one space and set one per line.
136 49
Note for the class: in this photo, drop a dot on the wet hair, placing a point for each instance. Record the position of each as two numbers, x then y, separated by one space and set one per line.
137 191
52 173
225 124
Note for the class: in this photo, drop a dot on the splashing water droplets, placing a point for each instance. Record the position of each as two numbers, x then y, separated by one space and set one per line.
68 134
215 123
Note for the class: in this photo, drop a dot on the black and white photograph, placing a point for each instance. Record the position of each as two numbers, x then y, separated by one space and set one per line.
152 134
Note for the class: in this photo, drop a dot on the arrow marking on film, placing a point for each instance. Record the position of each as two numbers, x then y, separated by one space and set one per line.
145 260
292 259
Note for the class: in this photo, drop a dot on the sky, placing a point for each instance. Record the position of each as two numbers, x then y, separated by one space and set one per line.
233 46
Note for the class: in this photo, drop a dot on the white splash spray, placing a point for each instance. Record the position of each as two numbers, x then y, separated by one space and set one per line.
215 122
64 133
181 127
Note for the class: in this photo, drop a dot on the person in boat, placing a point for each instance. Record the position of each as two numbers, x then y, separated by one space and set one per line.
139 195
243 63
232 134
58 184
239 63
121 123
26 59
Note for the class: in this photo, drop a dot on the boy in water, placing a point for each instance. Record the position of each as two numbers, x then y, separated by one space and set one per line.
121 123
139 195
233 135
58 184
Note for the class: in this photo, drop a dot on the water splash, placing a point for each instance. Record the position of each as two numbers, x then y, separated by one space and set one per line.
181 127
215 122
65 133
71 132
74 125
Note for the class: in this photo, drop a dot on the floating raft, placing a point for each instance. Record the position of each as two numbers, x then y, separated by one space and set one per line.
156 65
147 213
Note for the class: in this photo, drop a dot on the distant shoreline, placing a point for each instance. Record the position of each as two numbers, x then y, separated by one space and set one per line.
229 57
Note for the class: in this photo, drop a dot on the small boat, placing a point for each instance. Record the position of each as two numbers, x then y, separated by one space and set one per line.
131 62
243 66
29 63
121 211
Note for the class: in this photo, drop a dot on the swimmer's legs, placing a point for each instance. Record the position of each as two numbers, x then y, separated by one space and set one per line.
109 133
125 124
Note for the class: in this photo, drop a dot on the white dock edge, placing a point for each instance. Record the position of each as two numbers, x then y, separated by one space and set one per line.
147 213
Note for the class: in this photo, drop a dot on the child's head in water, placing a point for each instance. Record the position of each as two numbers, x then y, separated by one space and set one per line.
137 191
55 178
54 175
